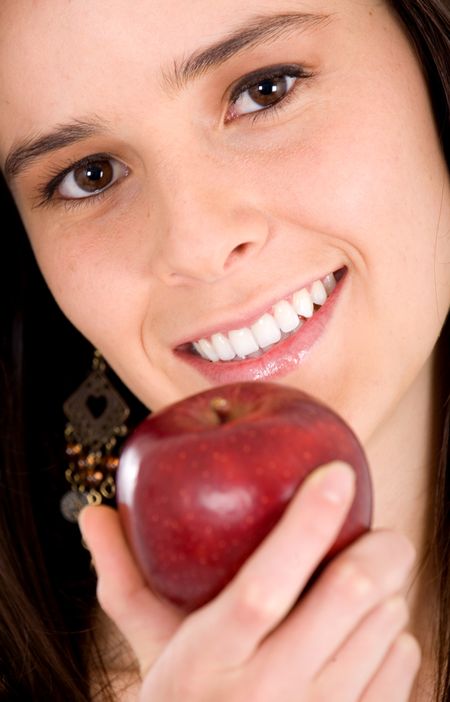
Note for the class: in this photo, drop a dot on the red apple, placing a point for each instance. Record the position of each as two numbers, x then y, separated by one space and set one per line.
202 482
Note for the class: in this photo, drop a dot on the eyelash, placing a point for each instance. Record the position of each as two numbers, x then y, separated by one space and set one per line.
270 73
47 190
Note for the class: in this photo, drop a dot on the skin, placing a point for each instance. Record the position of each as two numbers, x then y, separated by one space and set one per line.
211 214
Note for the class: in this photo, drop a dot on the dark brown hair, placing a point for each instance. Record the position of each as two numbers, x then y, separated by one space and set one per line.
47 589
428 25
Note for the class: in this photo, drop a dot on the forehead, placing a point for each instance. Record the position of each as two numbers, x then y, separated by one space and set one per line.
81 34
64 58
55 54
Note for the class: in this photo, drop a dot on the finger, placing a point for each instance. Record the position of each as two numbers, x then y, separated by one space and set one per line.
269 583
143 619
395 679
346 675
357 580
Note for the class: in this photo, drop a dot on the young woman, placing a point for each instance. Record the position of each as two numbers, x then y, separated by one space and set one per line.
183 170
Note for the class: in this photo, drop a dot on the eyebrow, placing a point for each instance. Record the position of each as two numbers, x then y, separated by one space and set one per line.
254 32
34 147
258 30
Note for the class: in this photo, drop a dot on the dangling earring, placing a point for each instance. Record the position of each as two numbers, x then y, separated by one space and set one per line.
94 433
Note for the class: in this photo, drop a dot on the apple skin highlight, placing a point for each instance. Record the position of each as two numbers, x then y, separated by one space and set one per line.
202 482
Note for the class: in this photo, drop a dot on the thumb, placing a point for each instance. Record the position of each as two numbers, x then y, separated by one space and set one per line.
145 621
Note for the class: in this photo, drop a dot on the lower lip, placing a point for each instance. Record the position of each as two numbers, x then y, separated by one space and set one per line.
283 358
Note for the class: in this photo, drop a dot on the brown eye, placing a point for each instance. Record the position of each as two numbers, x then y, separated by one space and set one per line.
91 177
269 91
263 94
95 176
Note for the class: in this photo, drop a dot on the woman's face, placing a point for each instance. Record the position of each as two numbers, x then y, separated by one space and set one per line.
243 151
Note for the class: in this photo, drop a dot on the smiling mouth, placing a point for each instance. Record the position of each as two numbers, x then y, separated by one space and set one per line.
285 318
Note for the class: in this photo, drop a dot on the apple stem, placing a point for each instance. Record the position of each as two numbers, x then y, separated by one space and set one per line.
221 408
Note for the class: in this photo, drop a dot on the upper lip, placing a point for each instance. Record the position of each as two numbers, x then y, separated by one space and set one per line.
248 315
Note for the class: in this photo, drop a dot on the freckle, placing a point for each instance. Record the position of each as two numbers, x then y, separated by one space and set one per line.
181 455
265 500
246 449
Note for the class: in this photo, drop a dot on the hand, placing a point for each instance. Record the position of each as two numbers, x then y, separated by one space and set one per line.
344 640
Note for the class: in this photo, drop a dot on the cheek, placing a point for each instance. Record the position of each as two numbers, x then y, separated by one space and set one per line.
95 278
371 182
369 179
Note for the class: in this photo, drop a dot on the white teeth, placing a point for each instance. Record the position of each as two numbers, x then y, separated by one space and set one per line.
222 347
318 293
285 316
288 315
303 303
206 349
266 331
243 342
329 283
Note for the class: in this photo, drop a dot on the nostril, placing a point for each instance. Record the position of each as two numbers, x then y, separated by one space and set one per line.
238 252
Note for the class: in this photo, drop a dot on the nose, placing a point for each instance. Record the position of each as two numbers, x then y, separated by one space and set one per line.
205 232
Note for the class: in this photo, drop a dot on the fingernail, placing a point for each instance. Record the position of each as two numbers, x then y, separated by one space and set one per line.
335 481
